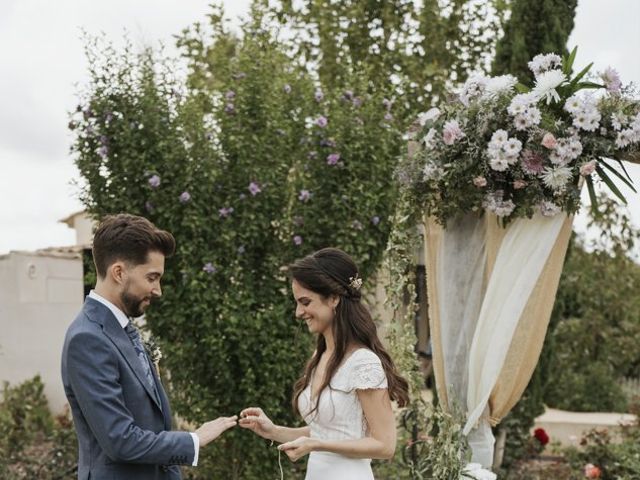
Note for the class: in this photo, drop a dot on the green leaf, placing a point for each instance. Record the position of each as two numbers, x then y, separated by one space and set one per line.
582 85
628 182
592 196
582 73
610 184
522 88
568 62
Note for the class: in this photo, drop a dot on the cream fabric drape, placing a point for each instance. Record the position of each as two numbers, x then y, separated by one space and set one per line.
490 290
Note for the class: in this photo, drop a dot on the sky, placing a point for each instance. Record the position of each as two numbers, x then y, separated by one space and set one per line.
42 67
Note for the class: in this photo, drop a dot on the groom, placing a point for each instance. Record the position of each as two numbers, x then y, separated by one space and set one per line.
120 409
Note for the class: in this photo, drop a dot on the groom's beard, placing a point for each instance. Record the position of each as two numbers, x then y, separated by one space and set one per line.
133 305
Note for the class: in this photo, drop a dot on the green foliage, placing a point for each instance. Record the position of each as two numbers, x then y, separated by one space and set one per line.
33 444
617 460
534 27
600 318
420 47
431 443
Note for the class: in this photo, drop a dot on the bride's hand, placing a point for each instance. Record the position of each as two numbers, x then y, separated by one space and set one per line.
298 448
257 421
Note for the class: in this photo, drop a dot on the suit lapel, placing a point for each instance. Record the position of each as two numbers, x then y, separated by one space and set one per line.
112 329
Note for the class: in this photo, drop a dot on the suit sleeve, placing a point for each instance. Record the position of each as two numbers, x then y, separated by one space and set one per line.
93 373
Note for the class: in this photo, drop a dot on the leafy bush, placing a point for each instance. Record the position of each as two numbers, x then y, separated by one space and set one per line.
33 444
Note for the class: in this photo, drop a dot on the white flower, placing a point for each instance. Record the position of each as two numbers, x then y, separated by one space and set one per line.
495 203
543 62
573 104
498 85
618 120
520 103
533 116
549 209
431 172
499 164
575 148
624 138
499 137
556 178
431 114
521 122
475 471
512 147
472 88
546 84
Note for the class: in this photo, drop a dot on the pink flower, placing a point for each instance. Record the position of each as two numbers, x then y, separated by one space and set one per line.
519 184
451 132
549 141
592 471
532 162
480 182
588 168
611 80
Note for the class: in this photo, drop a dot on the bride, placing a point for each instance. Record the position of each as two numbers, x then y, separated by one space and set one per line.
345 393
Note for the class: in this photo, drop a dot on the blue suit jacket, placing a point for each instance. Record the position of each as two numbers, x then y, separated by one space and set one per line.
124 432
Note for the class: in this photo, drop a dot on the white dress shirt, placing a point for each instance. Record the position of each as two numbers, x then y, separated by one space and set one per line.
124 321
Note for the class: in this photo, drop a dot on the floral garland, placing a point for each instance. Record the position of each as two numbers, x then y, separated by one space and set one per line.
502 147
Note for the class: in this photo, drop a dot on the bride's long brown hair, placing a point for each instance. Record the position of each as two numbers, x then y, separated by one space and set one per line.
329 272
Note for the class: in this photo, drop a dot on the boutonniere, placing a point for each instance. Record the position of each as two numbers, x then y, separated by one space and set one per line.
153 350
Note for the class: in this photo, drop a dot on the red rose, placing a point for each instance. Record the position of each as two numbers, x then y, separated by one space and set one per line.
541 436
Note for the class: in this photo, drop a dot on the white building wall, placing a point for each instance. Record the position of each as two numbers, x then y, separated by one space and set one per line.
40 295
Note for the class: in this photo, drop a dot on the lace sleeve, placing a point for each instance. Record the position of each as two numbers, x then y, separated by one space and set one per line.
367 373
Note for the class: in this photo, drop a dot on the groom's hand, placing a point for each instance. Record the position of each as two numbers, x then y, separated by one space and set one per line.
209 431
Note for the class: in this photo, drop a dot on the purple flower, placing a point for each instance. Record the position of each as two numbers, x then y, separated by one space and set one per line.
287 89
149 207
230 95
304 195
333 158
104 140
241 250
87 113
103 151
357 102
209 268
154 181
375 220
254 188
108 117
229 108
239 75
297 240
356 225
348 95
611 80
318 95
185 197
321 121
388 117
225 212
386 103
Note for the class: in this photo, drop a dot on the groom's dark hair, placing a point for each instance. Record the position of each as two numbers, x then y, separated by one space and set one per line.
128 238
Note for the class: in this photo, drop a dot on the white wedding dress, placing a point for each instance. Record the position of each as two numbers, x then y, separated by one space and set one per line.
340 416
